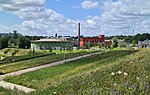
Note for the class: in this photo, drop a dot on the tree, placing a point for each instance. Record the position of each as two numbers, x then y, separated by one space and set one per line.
115 43
21 42
33 51
50 50
122 44
133 43
3 42
100 44
70 49
15 36
88 45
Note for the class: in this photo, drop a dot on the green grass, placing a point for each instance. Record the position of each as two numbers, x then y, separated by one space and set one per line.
38 61
101 81
96 75
10 92
48 76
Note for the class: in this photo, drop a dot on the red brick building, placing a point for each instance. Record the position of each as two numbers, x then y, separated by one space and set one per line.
92 41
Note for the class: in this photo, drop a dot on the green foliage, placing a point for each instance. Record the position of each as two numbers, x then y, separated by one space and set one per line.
3 42
23 42
115 43
88 45
33 51
15 36
50 50
122 44
100 45
133 43
70 49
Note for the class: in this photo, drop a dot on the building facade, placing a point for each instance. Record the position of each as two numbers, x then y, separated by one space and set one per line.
92 41
46 44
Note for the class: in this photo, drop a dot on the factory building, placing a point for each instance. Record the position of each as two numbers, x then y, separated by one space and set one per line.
92 41
46 44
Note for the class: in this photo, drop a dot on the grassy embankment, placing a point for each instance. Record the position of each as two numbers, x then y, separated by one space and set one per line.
118 73
48 78
129 75
15 66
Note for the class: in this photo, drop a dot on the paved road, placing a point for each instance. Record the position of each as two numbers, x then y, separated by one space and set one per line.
44 66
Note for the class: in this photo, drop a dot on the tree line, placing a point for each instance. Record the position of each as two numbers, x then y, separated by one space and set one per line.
16 40
131 39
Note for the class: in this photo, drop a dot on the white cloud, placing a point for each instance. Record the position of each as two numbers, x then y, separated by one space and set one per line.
123 16
118 18
88 4
37 18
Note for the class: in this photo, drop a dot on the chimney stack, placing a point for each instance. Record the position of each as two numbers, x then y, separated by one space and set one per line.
79 34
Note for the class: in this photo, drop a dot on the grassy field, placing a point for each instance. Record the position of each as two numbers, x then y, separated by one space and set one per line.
9 92
129 75
49 76
121 72
39 61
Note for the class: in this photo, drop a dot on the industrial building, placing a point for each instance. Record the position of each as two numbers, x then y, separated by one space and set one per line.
46 44
58 43
94 41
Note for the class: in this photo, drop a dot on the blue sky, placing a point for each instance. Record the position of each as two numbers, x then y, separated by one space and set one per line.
47 17
8 19
66 7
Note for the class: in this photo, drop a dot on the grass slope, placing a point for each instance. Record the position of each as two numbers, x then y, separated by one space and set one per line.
122 73
127 76
42 78
39 61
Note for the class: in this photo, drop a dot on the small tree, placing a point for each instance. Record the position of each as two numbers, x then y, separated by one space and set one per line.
70 49
33 51
115 43
50 50
60 49
3 42
88 45
133 43
100 45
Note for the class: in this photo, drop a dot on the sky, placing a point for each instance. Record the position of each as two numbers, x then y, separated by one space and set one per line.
47 17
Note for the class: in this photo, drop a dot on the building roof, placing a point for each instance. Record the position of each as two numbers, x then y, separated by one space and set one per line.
51 40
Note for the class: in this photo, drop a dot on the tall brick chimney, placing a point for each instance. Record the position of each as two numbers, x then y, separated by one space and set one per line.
79 34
